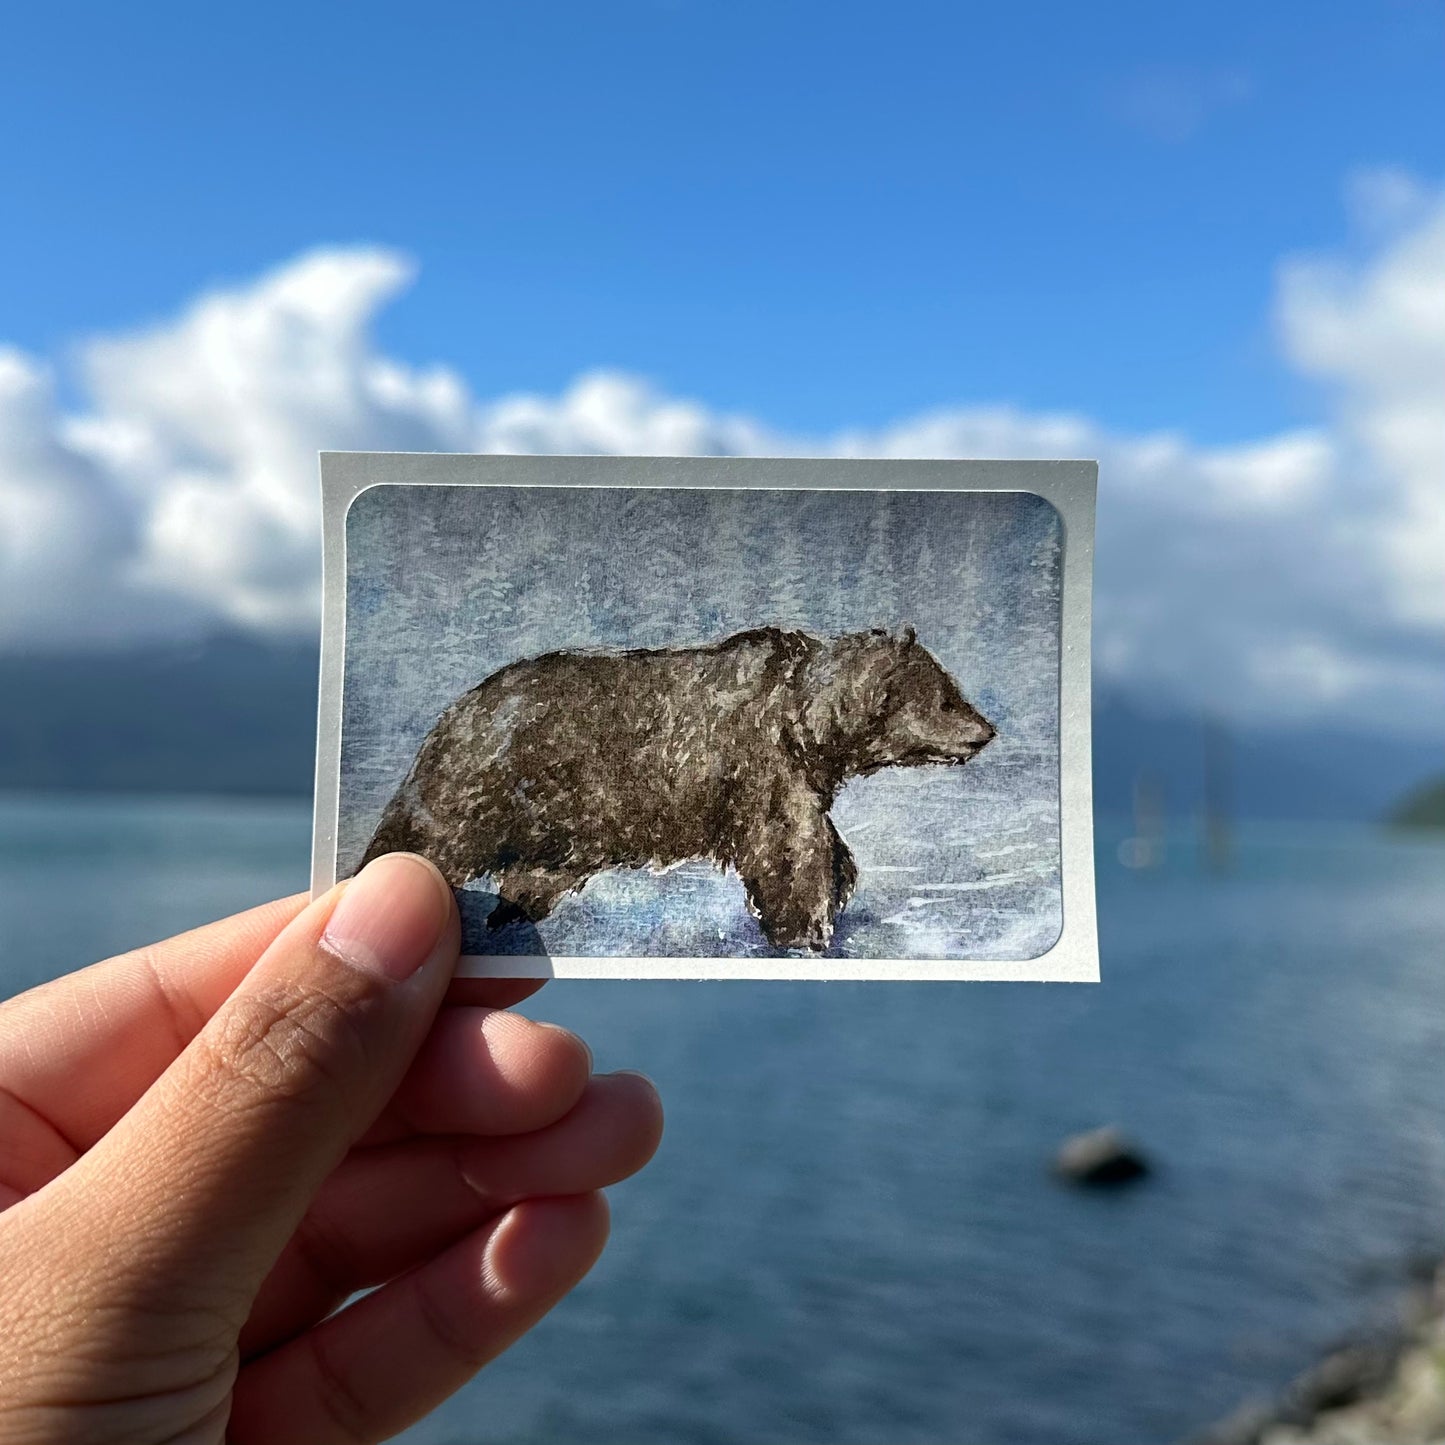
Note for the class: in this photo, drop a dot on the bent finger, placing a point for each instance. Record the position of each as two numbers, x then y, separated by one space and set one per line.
492 992
393 1356
386 1210
487 1071
78 1052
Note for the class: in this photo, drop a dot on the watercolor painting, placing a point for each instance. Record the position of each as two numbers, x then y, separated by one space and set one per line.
711 722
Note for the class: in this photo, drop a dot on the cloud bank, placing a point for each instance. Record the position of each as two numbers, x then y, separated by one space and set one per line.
1298 577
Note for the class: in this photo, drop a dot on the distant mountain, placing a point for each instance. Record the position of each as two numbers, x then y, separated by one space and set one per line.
1313 773
233 715
230 715
1422 807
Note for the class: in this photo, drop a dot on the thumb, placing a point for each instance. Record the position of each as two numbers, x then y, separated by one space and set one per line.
217 1163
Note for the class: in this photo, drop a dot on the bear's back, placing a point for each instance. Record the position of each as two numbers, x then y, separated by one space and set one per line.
585 699
620 757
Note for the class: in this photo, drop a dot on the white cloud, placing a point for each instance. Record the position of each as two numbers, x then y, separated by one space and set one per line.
1298 576
1173 103
66 534
1376 335
210 426
604 412
1385 200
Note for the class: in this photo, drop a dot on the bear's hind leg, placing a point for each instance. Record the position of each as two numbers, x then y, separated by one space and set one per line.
845 871
530 893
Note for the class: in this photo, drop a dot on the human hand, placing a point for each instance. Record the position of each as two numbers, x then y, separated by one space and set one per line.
208 1145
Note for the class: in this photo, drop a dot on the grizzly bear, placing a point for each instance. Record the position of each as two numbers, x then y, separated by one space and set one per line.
564 765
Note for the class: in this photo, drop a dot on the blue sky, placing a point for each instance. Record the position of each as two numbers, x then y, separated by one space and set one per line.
821 214
1204 245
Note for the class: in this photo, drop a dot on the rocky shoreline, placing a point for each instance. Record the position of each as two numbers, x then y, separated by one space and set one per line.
1388 1389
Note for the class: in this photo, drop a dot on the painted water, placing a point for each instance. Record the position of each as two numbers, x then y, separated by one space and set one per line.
850 1233
952 862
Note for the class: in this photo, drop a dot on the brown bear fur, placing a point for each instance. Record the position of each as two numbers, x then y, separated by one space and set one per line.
568 764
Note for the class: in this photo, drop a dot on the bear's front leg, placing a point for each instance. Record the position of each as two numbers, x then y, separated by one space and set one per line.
530 893
789 867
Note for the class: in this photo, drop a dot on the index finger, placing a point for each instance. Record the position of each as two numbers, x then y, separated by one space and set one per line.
78 1052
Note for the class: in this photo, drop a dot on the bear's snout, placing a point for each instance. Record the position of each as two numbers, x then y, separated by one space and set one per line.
951 735
977 736
966 732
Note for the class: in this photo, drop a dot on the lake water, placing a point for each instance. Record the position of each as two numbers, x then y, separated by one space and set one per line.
850 1234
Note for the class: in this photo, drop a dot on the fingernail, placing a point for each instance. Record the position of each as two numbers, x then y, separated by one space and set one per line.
633 1074
390 917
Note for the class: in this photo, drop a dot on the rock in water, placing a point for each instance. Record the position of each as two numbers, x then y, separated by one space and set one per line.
1101 1156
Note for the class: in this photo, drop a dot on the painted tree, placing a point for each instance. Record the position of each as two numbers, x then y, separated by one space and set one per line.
924 593
788 575
878 589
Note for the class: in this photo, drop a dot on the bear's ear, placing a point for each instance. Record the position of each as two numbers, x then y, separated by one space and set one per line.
908 636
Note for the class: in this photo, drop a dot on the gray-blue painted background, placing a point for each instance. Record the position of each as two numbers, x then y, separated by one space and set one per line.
447 584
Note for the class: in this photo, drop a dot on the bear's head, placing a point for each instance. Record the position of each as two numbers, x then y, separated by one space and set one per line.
890 703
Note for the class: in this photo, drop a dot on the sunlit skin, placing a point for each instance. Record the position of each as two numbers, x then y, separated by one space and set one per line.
206 1146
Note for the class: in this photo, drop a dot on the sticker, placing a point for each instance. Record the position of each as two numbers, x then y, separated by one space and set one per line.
718 718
